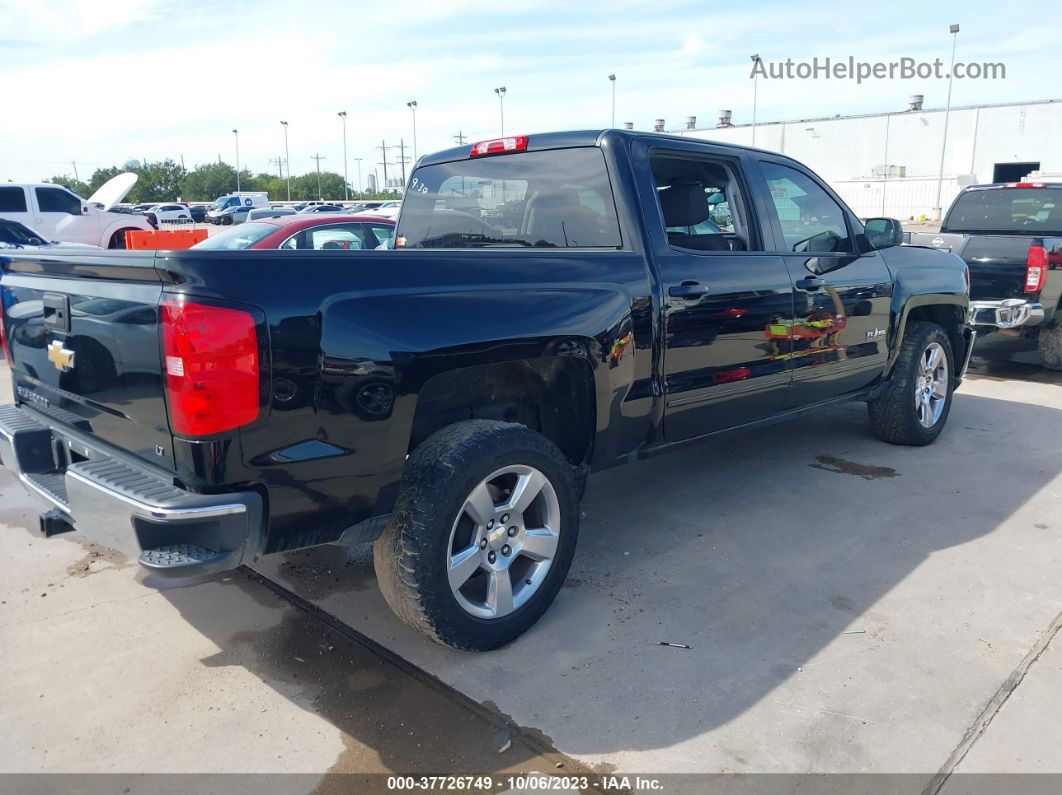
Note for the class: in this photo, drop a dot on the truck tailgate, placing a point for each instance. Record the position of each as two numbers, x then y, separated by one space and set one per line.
997 265
83 337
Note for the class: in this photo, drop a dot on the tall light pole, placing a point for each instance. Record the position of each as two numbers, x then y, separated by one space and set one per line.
500 91
287 156
412 106
359 159
612 79
755 79
954 30
236 134
346 186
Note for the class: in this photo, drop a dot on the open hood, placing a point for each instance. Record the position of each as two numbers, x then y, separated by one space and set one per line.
113 190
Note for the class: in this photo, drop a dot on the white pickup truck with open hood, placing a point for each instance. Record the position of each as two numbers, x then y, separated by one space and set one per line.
62 215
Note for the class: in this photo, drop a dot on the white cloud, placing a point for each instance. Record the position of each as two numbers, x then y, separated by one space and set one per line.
57 21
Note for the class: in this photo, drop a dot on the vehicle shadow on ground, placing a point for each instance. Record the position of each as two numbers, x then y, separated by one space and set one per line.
755 549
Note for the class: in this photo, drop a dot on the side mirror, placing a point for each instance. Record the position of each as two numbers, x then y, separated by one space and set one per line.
36 241
883 232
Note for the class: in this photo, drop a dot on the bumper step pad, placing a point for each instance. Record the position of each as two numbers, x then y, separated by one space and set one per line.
196 559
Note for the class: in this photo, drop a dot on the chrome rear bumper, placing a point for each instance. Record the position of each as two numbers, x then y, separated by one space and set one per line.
1006 313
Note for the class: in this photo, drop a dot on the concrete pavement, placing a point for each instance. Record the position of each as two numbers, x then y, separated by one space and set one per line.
851 607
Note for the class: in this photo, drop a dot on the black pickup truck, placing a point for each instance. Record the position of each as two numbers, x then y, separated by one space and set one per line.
1010 236
555 304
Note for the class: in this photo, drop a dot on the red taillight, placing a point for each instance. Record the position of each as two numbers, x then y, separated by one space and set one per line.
497 146
211 358
1036 269
1023 185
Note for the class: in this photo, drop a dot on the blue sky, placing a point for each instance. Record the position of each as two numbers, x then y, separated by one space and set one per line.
103 81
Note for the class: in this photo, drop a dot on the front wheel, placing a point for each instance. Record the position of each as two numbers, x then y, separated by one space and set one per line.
915 405
482 534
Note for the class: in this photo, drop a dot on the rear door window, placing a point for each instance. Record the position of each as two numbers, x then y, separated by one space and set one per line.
12 200
551 199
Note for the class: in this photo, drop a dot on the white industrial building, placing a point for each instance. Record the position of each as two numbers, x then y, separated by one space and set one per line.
888 163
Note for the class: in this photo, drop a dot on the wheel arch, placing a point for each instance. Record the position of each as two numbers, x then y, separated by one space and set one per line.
947 311
554 395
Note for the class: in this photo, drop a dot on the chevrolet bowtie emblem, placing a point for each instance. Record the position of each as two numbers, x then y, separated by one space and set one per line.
61 357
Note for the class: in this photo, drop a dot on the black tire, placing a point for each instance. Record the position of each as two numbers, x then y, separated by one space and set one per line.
893 415
411 554
227 221
118 239
1050 347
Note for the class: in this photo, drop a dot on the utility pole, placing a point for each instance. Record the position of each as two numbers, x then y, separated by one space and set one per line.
279 161
460 138
500 91
612 79
412 105
383 147
236 134
79 178
287 157
346 181
402 159
359 159
755 77
318 158
937 211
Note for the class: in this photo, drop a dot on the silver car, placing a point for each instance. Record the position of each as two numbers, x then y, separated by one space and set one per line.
269 212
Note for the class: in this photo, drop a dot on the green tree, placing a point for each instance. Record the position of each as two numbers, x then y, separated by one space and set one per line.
306 186
208 181
101 175
75 185
158 182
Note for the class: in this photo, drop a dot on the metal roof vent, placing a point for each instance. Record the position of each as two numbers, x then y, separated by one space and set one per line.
691 122
914 102
628 125
724 119
658 125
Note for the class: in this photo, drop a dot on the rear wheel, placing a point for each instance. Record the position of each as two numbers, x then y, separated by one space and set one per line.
916 403
1050 346
482 534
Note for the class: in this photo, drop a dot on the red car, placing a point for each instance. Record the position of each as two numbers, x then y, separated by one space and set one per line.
303 233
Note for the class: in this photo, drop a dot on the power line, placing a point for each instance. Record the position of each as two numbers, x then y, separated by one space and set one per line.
459 138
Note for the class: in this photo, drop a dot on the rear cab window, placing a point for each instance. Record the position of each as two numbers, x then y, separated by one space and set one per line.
1018 210
559 198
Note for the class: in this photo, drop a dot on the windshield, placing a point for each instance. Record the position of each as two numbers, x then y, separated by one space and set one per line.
237 237
225 201
1031 211
557 199
15 234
